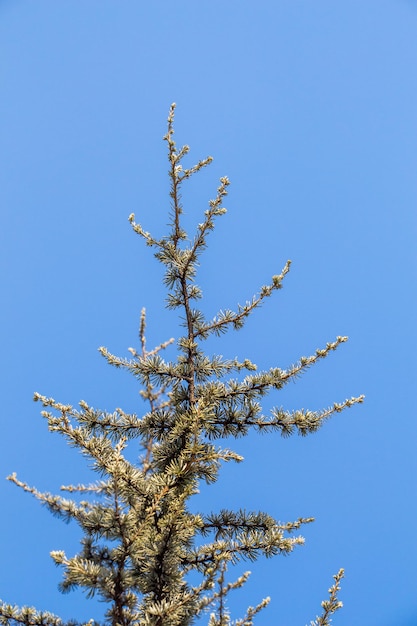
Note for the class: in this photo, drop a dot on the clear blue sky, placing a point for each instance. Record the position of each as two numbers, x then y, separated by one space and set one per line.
310 109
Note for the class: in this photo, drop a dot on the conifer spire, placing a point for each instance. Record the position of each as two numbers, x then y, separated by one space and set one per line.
142 549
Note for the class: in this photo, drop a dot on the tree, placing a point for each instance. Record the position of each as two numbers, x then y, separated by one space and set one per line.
142 549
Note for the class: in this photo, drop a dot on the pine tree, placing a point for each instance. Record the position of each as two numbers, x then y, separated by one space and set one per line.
141 545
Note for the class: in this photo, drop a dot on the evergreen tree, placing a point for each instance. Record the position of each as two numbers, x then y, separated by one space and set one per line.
143 552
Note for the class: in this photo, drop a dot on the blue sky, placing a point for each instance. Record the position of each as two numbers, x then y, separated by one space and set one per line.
310 109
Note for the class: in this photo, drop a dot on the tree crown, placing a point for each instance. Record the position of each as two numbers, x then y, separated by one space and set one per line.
141 545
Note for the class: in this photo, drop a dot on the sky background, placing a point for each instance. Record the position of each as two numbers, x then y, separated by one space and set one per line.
310 109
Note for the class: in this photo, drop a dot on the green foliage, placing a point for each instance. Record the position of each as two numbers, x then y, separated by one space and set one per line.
141 545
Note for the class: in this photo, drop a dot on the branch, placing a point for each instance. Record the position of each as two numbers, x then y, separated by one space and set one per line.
31 617
226 318
331 605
